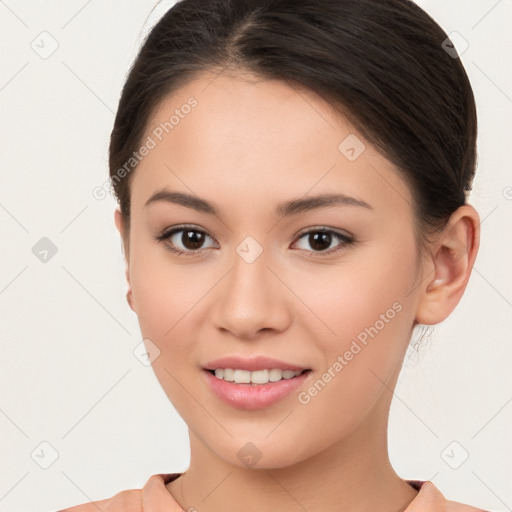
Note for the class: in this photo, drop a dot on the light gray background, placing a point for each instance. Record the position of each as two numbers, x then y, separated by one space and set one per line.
68 375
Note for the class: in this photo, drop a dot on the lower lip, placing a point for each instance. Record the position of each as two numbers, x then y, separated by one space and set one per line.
254 396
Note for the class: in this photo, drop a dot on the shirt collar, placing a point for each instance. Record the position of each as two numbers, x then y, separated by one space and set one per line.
156 497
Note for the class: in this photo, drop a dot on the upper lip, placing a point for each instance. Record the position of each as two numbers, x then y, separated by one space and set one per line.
252 364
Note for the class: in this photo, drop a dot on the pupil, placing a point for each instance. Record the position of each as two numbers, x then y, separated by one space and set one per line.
322 237
193 238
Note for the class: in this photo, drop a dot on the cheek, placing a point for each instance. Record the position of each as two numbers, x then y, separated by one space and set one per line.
367 292
369 310
172 302
166 300
163 292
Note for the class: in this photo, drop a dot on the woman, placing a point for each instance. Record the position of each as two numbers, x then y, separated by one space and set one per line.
292 178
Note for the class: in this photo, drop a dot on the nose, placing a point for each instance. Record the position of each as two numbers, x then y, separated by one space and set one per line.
251 299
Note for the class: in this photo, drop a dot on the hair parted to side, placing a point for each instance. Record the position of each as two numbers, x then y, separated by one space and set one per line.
380 63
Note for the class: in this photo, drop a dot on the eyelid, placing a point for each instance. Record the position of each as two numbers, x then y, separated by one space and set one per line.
345 239
193 227
167 233
324 228
181 227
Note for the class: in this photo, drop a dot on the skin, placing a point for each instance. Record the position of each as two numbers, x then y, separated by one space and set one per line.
248 145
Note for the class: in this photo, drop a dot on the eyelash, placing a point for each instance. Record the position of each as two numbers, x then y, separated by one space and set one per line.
165 235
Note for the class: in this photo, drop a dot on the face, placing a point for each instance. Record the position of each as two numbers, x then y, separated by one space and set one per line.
326 286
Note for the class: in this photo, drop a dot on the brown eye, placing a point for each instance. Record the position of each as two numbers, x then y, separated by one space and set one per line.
320 240
189 241
184 240
192 239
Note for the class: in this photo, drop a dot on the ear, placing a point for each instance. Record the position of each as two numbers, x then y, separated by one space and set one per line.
120 225
451 263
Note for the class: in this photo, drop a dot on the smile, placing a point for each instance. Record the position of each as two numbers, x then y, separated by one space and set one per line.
255 377
258 394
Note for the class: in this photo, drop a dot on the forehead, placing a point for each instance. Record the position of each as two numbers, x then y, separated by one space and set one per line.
242 136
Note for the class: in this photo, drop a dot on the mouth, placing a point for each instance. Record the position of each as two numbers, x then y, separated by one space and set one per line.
256 377
258 389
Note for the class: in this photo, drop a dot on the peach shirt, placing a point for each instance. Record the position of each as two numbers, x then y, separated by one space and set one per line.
154 497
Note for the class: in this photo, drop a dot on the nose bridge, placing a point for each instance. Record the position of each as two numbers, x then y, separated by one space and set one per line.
249 300
249 274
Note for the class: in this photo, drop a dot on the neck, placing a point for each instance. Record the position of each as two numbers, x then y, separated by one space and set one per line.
354 475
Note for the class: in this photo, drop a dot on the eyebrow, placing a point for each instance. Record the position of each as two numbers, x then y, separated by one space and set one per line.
285 209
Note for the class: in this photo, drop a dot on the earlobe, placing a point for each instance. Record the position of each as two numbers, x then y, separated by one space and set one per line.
453 257
118 219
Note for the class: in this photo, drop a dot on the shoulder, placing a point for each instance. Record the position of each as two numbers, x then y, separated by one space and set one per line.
430 498
153 496
129 500
455 506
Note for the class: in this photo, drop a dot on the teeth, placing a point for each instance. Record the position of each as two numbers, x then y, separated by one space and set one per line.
256 377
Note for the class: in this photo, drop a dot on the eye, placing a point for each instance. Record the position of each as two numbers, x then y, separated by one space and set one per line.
320 239
188 240
191 240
